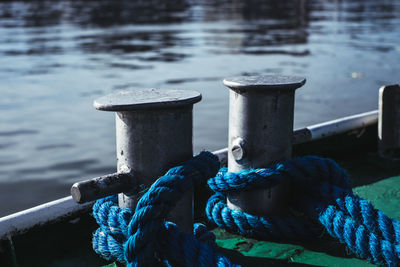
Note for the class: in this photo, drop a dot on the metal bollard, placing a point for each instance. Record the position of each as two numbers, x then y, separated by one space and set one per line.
389 122
261 111
154 133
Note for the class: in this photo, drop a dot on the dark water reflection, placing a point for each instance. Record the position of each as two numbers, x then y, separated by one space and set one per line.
57 56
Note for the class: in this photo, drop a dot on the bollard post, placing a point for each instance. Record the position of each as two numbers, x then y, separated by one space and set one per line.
261 111
154 133
389 122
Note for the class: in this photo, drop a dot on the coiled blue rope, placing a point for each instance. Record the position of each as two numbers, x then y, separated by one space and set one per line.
323 194
143 237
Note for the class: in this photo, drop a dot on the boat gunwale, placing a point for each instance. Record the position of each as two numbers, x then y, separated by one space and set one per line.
57 210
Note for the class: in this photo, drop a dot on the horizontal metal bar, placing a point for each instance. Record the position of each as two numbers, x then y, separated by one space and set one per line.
342 125
222 155
102 186
57 210
49 212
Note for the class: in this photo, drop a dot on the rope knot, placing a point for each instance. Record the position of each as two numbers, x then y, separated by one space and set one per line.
321 190
323 195
143 237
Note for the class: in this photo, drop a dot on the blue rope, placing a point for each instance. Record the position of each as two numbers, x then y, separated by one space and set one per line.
323 200
143 237
323 194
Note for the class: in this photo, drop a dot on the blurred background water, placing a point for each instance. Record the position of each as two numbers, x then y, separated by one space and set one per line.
56 57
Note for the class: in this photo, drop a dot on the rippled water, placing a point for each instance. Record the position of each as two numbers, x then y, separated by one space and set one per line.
57 57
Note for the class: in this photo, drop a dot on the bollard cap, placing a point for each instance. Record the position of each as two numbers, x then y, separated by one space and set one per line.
265 82
151 98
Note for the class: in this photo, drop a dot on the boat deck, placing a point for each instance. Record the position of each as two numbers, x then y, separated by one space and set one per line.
69 243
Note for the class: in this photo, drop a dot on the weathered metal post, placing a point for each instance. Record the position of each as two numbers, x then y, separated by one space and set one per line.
261 113
154 132
389 122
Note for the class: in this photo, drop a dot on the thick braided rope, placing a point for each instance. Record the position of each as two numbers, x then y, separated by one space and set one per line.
326 197
358 238
143 237
302 173
323 193
362 212
274 227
